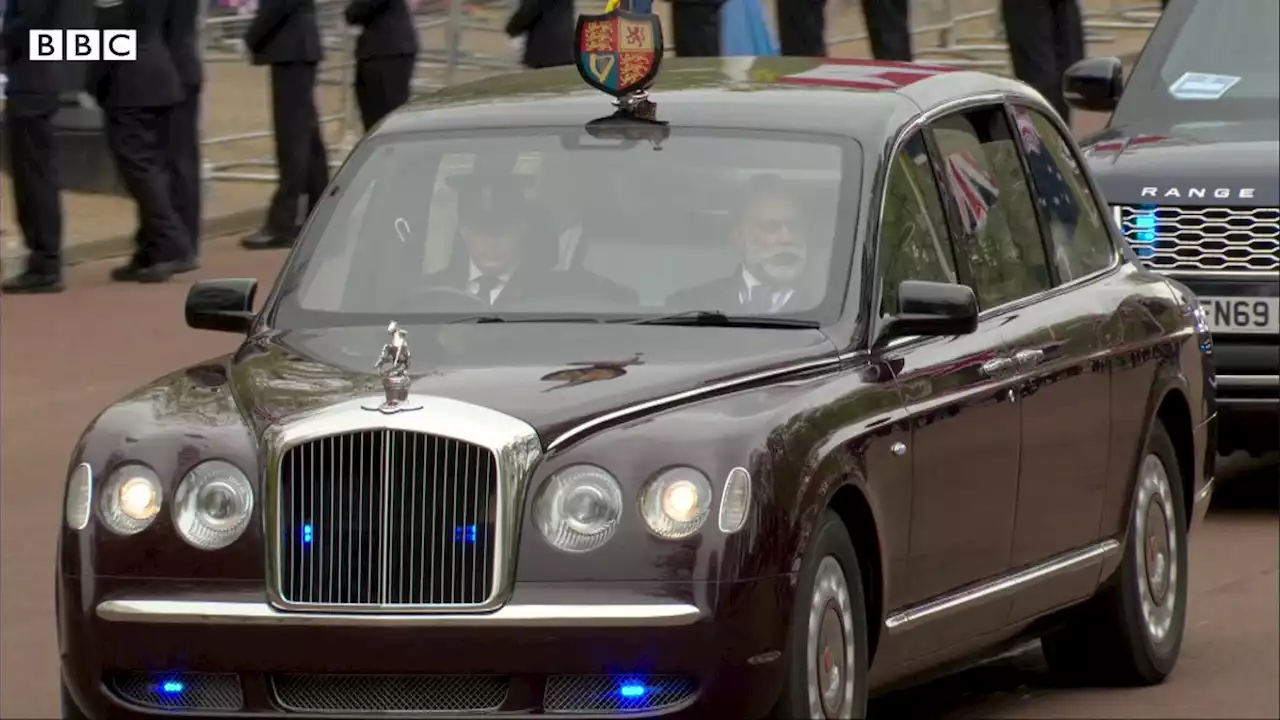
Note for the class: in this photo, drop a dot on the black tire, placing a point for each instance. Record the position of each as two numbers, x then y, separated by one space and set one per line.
70 710
830 566
1131 632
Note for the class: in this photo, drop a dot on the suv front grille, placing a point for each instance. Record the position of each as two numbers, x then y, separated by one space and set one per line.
1203 240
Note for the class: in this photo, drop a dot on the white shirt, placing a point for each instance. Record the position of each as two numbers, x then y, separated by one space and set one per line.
777 301
473 284
568 246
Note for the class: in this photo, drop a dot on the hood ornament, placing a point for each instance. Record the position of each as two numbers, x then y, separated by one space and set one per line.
393 364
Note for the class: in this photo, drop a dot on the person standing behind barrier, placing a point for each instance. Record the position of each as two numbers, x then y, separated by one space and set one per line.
284 35
695 25
545 28
1045 38
137 98
385 54
802 28
32 100
182 36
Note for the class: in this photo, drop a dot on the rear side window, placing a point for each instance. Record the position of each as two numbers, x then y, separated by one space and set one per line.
1000 237
1078 235
914 242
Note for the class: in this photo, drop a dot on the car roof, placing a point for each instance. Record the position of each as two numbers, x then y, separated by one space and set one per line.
864 99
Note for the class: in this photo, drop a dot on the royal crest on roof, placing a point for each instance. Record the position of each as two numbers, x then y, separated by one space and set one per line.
619 52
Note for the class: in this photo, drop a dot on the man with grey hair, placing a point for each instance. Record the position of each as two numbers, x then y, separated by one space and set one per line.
769 233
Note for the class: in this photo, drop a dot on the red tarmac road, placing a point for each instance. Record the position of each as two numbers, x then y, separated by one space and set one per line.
66 357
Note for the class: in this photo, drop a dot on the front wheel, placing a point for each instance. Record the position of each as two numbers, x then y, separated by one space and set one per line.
826 652
1131 633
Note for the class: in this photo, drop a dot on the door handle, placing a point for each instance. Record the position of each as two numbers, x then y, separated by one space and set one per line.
1028 358
999 366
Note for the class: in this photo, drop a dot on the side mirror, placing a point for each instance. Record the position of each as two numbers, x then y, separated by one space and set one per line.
931 309
221 305
1094 84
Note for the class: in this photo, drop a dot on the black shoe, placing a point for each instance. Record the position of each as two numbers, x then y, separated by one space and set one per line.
154 273
186 266
29 283
263 240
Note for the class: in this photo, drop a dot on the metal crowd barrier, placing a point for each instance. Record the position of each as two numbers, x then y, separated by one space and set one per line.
464 39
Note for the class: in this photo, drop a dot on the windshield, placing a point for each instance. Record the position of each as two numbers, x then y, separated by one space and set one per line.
1219 61
560 225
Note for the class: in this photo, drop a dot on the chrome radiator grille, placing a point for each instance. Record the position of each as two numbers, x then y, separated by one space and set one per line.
1197 240
386 518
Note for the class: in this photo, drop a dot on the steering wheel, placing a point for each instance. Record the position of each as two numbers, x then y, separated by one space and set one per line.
422 297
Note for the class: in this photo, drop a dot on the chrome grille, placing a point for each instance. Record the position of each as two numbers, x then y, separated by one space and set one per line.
179 691
386 518
389 693
601 694
1203 240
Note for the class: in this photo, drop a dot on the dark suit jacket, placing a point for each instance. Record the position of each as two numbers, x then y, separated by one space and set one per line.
548 26
284 31
29 82
388 28
151 80
724 294
527 283
182 37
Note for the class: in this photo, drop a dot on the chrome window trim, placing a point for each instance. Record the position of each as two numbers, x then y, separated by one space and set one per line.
198 612
513 442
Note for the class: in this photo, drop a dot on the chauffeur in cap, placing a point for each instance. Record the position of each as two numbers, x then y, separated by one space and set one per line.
284 35
497 261
385 55
137 98
32 100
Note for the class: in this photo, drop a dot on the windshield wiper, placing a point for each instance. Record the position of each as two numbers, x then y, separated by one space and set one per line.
716 318
483 319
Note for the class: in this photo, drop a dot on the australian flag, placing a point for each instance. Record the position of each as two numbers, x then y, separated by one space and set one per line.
975 190
1052 189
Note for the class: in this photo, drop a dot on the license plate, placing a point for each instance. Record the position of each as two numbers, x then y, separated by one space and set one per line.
1242 315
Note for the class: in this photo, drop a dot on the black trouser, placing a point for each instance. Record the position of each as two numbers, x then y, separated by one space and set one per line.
382 85
300 154
36 195
138 139
1045 38
802 28
183 165
696 26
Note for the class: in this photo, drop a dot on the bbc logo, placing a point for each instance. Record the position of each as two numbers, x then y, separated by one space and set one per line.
85 45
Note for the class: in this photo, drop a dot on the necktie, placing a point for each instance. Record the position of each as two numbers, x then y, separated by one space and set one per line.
761 300
485 285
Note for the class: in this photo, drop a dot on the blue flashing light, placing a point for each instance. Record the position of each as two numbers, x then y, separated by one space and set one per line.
172 687
307 534
632 689
1146 230
465 534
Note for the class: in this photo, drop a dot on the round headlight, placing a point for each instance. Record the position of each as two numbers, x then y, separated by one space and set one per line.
79 500
578 508
213 505
676 503
131 499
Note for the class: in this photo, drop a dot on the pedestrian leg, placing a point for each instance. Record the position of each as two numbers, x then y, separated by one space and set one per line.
1068 47
294 116
889 28
696 26
802 27
184 167
36 194
1029 29
133 135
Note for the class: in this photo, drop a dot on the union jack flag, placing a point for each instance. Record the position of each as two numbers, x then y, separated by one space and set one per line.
975 190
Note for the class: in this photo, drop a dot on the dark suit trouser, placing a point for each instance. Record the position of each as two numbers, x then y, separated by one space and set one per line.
138 140
183 166
300 154
36 195
802 28
1045 38
382 85
696 26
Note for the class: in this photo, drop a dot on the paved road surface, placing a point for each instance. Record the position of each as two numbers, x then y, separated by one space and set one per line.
66 357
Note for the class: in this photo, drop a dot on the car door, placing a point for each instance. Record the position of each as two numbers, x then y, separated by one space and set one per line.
964 439
1059 351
